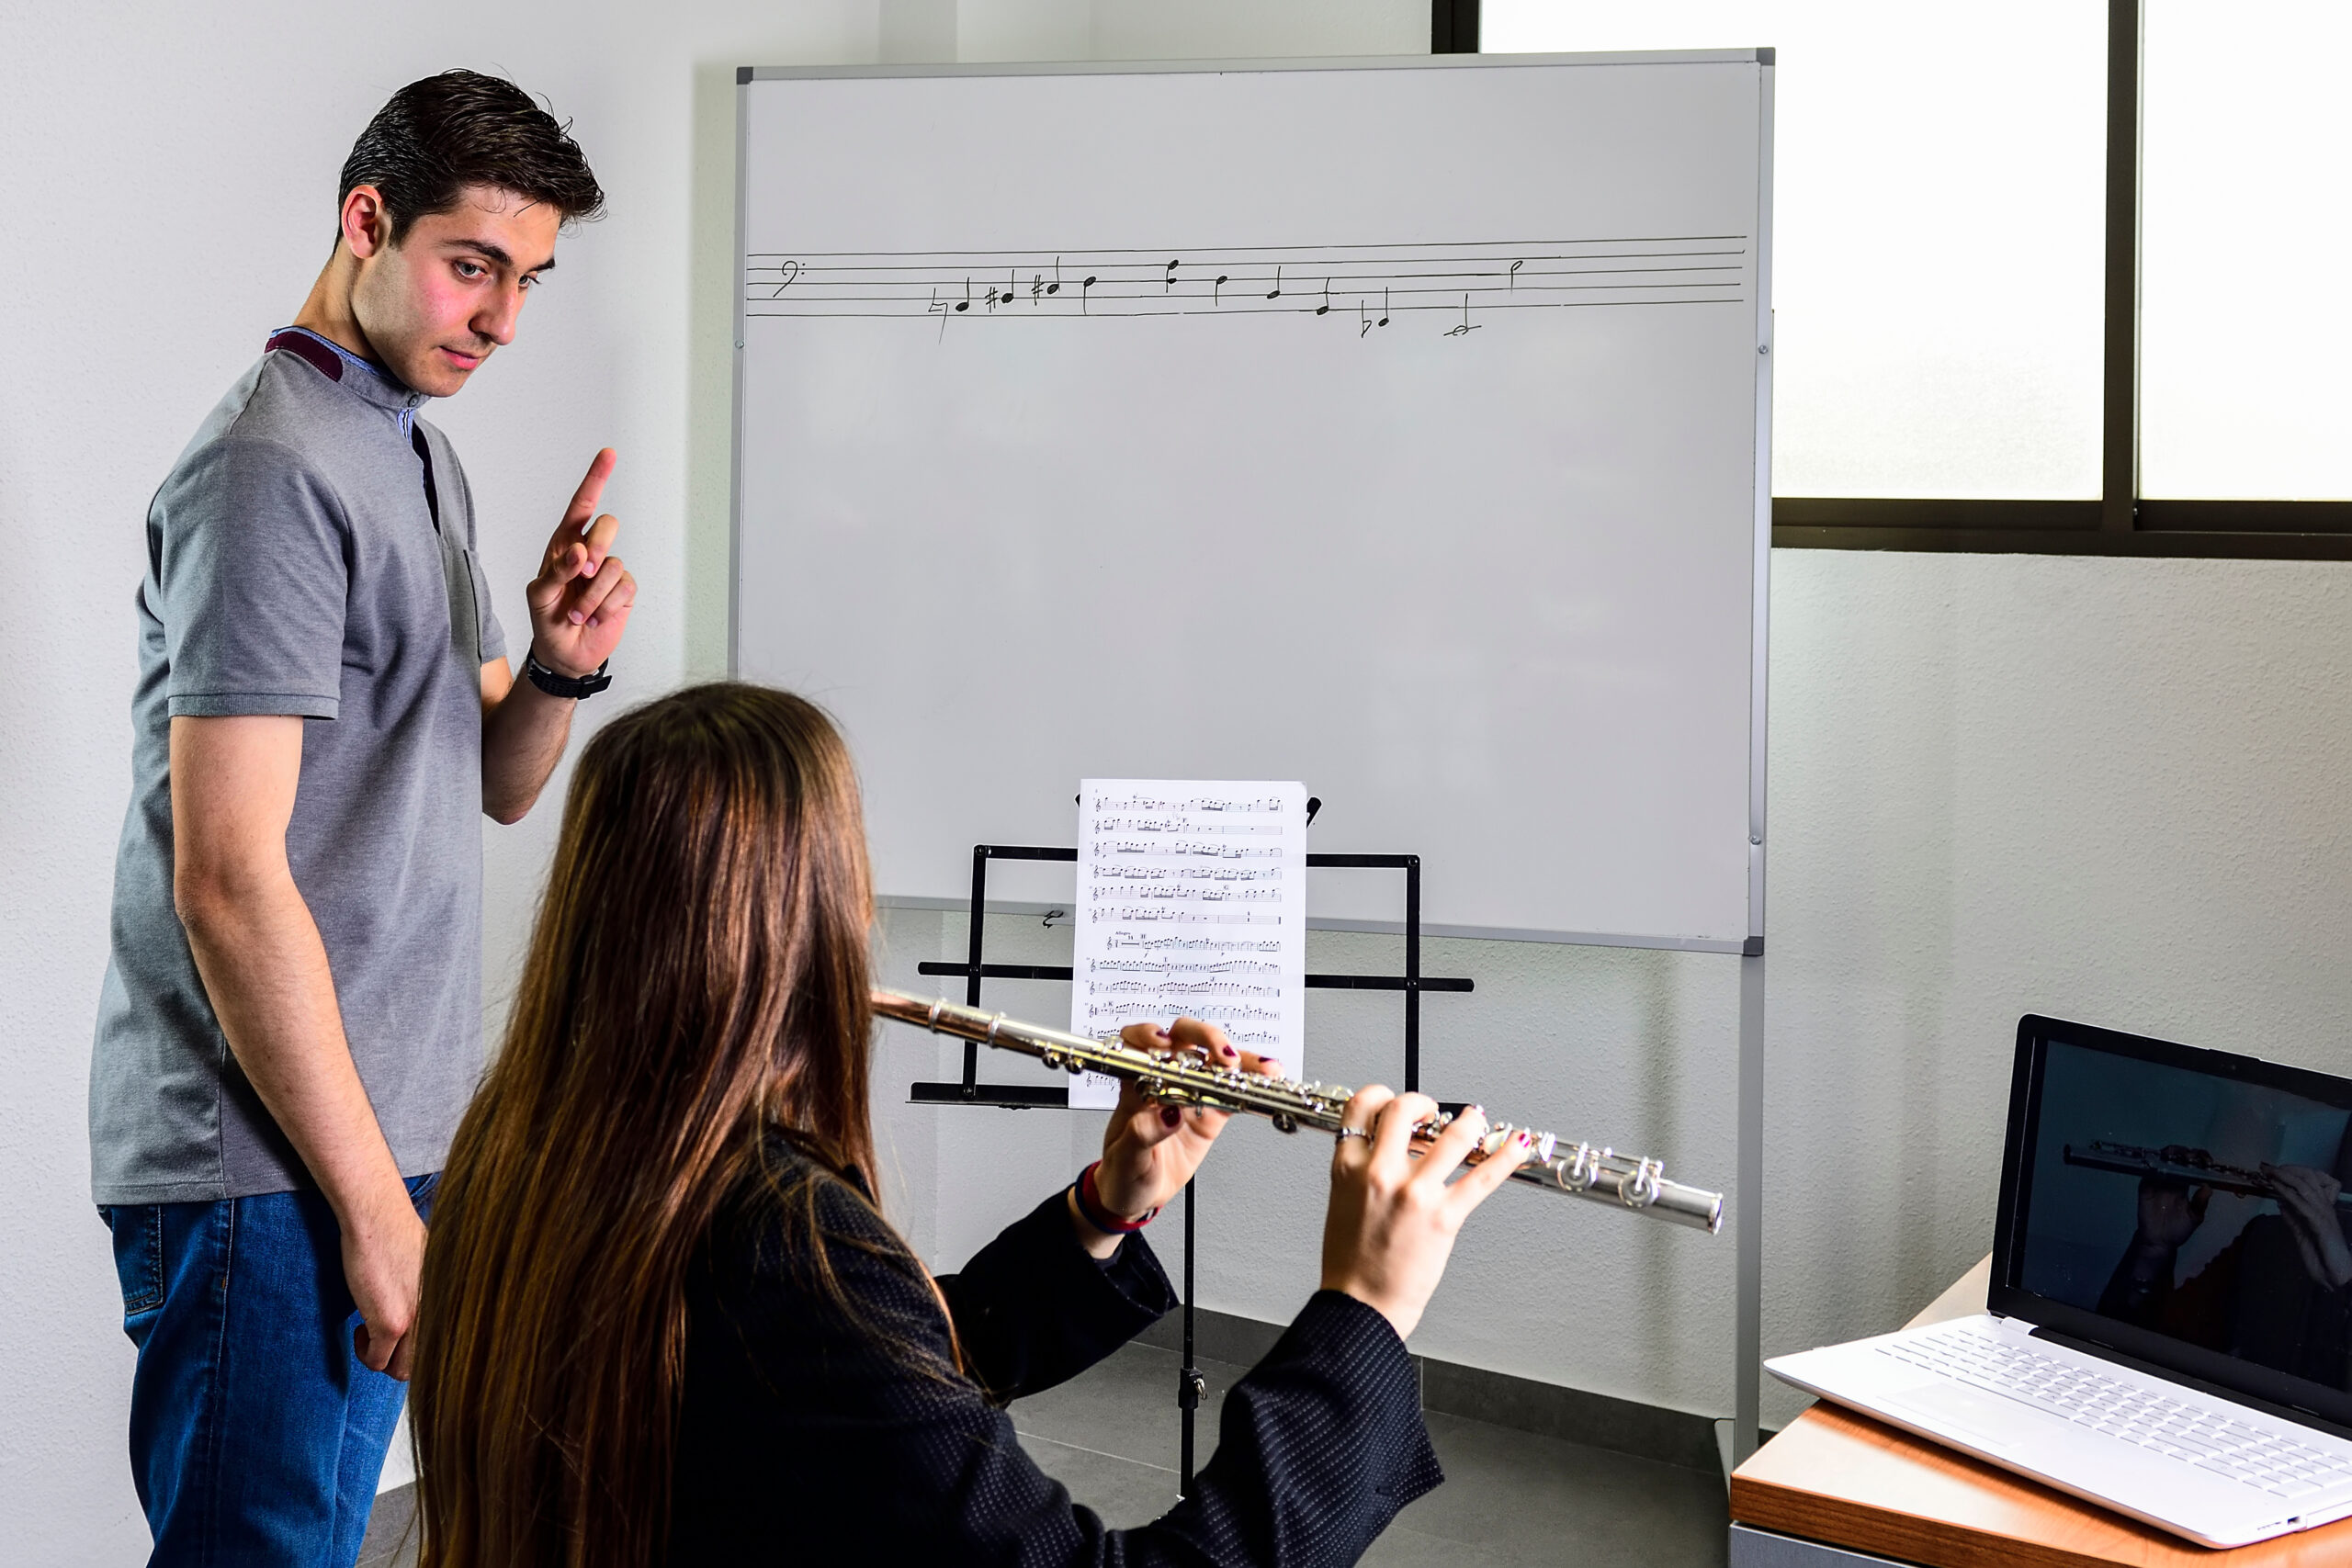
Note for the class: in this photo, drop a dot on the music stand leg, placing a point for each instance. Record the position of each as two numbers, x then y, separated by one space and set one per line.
1190 1384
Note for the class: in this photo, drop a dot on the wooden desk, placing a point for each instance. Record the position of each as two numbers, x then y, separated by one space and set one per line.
1847 1481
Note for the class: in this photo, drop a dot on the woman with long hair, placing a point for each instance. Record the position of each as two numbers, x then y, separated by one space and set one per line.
664 1320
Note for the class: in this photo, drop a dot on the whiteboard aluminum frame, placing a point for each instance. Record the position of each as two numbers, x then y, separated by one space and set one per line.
1753 945
1748 1211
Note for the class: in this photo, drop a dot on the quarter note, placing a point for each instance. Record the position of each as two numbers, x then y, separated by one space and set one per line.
1276 292
1217 295
1056 285
965 302
1324 307
1383 307
1085 295
1170 281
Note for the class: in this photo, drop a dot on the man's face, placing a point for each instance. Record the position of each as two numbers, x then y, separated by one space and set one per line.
436 305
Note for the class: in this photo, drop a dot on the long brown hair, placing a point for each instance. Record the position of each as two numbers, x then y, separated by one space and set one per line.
697 975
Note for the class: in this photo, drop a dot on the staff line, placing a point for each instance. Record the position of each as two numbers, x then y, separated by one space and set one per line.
1245 250
948 280
1242 300
1068 263
1260 310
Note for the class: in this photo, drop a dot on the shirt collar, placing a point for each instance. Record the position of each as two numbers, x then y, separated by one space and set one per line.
370 384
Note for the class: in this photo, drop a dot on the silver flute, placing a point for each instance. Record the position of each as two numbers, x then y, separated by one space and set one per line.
1184 1077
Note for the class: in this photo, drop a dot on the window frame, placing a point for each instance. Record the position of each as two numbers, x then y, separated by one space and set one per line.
2120 521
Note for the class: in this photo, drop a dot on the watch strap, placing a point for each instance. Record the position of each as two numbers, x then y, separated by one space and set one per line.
574 687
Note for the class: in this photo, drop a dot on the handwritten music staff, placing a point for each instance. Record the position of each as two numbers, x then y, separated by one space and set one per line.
1457 286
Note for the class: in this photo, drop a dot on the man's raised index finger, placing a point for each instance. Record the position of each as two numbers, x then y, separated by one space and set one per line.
591 488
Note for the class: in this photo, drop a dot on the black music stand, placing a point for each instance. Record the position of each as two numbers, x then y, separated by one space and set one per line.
1190 1384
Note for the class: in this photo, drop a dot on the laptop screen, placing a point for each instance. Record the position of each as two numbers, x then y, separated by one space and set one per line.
2189 1209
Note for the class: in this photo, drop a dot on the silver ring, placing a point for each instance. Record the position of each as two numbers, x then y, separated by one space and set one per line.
1344 1133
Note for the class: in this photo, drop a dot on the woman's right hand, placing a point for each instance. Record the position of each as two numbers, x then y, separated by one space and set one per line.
1393 1216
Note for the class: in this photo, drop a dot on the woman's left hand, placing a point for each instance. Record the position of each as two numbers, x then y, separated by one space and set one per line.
1150 1150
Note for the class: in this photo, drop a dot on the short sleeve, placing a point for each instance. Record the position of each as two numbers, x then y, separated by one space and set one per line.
253 577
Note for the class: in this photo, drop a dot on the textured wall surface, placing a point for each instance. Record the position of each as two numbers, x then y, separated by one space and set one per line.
2103 788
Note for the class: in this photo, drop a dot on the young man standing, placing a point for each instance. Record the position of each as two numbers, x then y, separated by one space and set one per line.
291 1022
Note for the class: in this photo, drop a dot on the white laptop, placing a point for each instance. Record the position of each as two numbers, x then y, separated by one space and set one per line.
2170 1331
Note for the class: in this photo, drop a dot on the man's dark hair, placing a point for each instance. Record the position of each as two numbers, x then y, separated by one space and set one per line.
440 135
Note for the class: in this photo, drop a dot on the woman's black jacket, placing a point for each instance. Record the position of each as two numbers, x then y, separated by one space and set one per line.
824 1428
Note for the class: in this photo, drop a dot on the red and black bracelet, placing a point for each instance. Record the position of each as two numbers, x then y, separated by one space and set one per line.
1090 1205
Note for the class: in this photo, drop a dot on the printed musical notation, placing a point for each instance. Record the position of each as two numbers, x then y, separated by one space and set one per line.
1455 287
1192 900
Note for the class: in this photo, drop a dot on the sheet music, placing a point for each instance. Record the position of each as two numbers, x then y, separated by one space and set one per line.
1192 901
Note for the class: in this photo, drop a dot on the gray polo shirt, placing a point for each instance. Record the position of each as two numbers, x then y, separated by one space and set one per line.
310 554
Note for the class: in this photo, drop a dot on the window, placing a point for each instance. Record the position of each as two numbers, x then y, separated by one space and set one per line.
1956 194
2245 214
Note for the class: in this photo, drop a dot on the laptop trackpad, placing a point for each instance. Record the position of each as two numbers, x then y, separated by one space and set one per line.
1972 1413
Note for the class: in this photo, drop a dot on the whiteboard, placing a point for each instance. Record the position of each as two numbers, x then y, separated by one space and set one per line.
1399 425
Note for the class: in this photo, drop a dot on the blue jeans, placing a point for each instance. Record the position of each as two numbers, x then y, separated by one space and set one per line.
257 1433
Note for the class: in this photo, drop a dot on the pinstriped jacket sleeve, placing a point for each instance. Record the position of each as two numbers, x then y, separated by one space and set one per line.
806 1436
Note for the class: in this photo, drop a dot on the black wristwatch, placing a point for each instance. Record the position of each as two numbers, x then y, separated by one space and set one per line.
556 685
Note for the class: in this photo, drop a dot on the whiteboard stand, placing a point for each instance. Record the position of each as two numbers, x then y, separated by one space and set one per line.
1190 1384
1747 1206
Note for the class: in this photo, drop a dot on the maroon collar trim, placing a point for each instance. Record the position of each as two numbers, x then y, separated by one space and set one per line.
319 357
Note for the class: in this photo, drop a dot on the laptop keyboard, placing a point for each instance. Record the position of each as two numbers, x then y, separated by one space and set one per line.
2192 1434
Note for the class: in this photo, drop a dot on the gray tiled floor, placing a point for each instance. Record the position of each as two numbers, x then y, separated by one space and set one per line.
1111 1437
1510 1497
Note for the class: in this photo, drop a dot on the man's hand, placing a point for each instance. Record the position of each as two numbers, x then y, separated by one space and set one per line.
579 604
266 971
383 1263
580 600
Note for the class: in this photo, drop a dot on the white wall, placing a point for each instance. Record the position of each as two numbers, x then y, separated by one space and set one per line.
2096 787
2104 789
167 174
